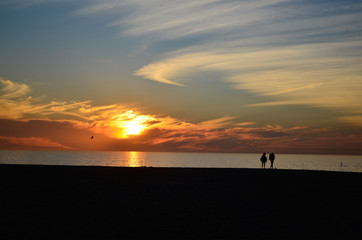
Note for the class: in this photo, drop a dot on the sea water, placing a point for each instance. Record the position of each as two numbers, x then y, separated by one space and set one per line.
346 163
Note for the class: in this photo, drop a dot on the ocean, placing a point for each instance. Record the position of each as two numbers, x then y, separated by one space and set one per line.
345 163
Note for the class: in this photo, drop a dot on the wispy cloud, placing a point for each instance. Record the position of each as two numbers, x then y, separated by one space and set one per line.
313 74
175 19
15 102
246 22
12 90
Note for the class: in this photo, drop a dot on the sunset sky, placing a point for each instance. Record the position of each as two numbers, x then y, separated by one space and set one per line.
176 75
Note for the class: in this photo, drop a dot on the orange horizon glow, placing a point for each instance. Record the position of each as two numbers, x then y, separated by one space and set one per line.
127 124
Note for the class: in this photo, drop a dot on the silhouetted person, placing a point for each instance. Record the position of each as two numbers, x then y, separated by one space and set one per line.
263 160
271 158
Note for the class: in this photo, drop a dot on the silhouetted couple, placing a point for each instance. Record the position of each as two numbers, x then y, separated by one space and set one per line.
264 159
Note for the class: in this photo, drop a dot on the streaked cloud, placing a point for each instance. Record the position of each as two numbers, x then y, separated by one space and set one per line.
176 19
12 90
16 103
33 142
245 23
313 74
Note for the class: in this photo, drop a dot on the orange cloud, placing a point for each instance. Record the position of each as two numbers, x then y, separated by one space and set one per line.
35 142
34 123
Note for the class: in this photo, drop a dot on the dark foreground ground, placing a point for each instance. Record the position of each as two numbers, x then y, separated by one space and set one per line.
58 202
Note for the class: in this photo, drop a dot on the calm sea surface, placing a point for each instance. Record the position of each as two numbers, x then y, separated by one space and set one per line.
172 159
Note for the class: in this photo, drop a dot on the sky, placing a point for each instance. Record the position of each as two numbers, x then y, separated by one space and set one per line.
173 75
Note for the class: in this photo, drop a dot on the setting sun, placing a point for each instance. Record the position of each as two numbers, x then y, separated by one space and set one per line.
134 128
128 123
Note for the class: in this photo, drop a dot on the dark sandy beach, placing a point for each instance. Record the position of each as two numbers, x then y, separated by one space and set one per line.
63 202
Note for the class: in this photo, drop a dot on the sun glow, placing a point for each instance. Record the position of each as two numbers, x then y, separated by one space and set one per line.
134 128
128 124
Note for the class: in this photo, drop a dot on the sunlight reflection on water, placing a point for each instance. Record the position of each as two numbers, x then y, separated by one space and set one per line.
171 159
134 159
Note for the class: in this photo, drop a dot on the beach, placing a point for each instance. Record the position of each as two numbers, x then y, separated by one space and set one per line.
75 202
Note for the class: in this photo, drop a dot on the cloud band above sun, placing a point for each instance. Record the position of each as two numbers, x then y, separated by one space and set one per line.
38 124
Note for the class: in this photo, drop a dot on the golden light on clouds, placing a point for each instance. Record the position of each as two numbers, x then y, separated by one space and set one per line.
134 128
126 124
35 124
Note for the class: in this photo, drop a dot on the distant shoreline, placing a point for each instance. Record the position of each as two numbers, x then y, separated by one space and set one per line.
91 202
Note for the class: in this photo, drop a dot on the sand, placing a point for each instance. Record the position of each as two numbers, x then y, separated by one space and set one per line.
68 202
